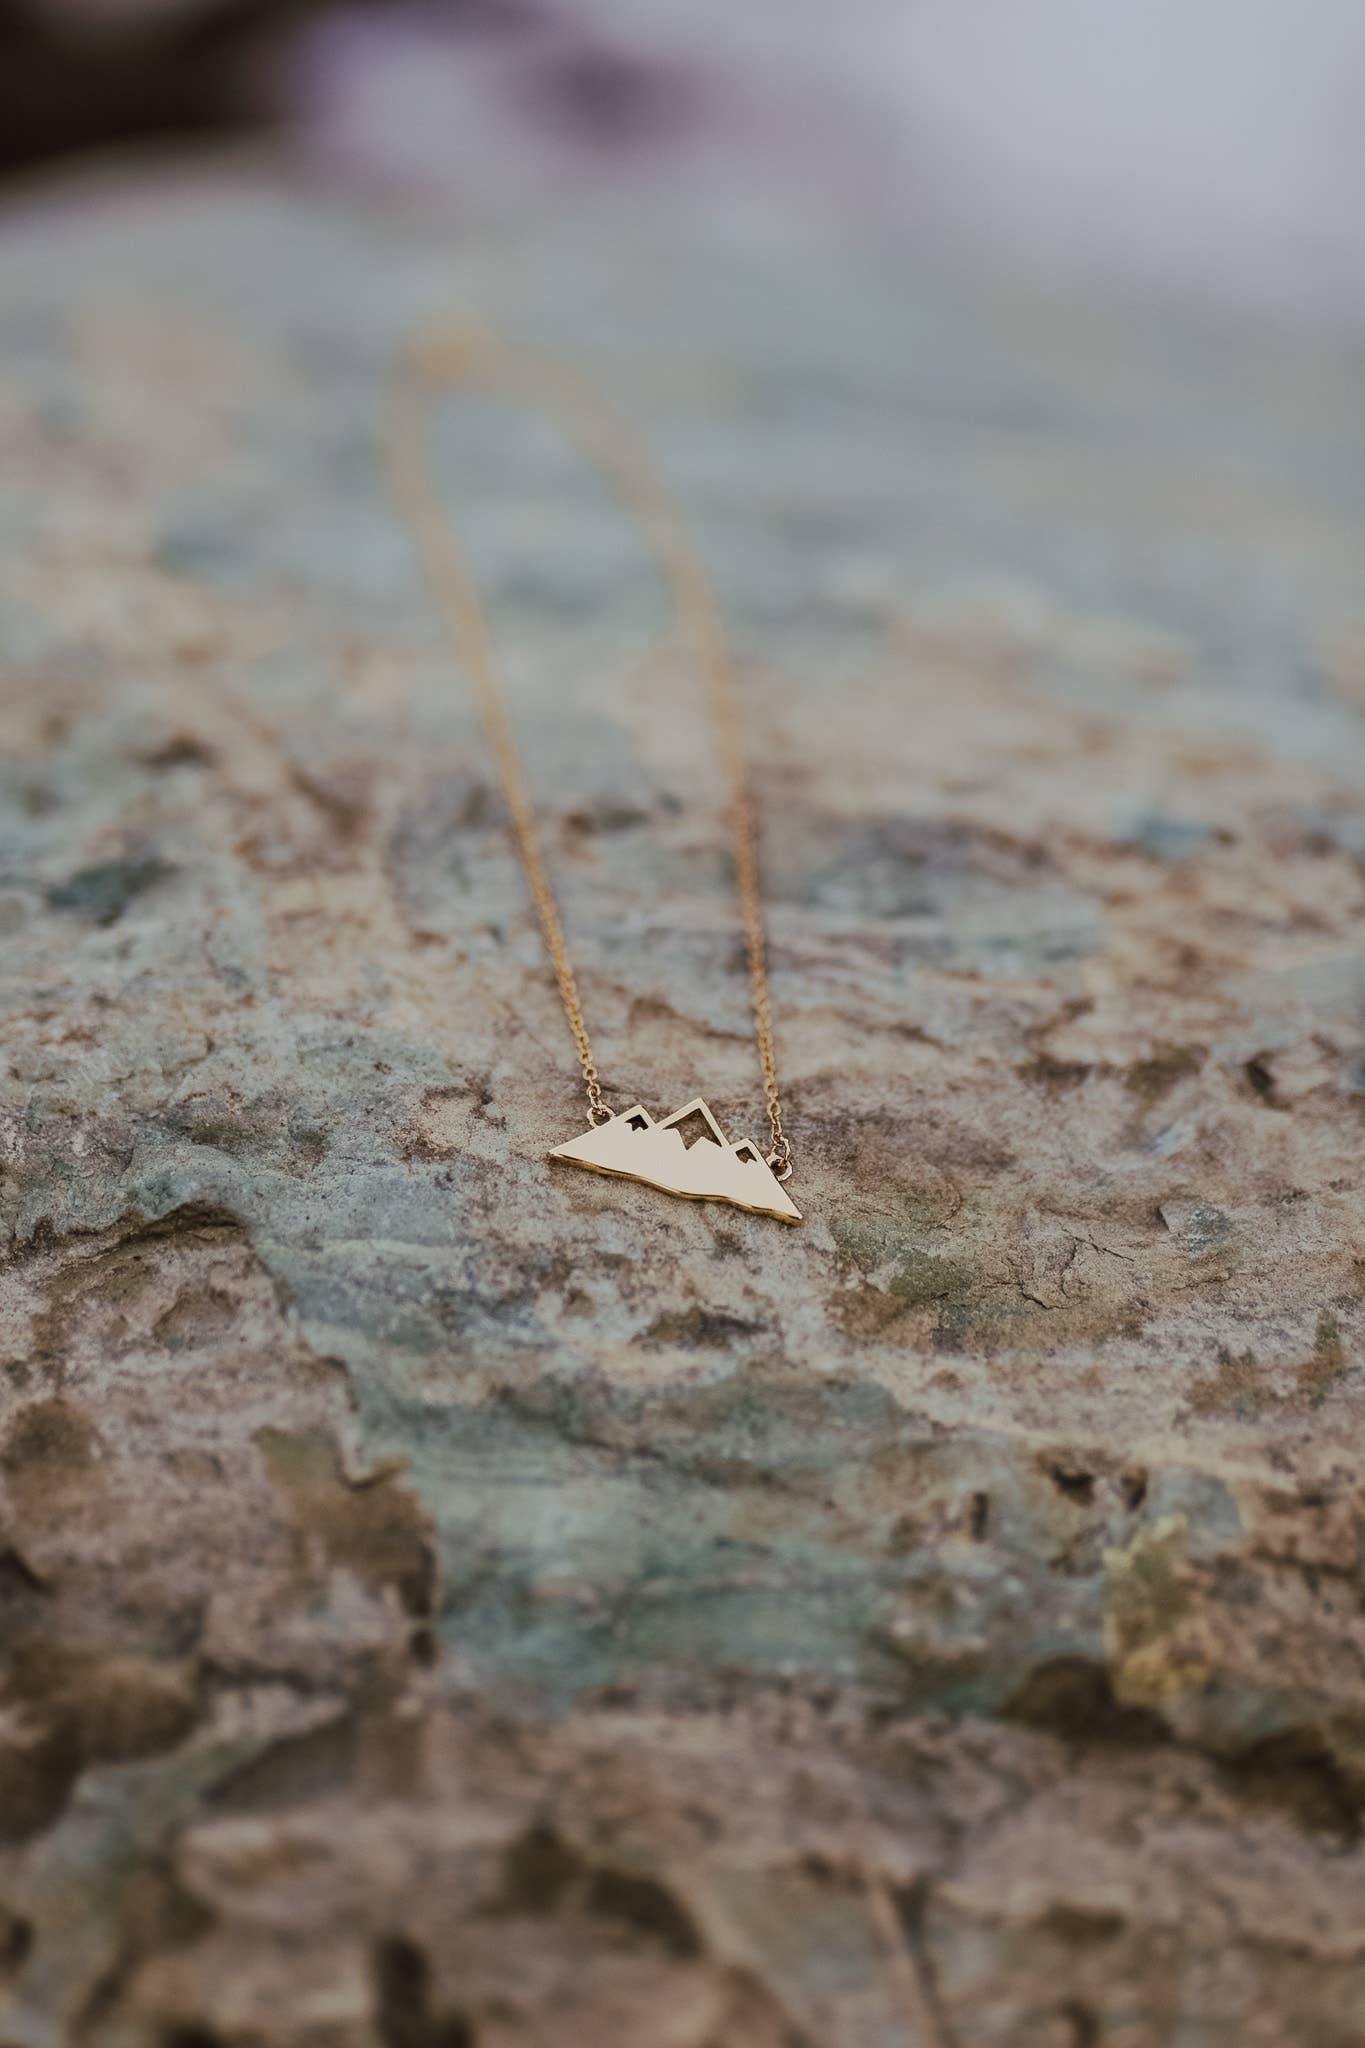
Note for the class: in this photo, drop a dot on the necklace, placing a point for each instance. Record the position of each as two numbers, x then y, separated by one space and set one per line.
628 1143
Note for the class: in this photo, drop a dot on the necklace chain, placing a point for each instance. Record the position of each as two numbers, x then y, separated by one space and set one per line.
441 358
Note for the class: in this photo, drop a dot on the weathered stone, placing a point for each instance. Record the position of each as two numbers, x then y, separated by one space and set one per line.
447 1599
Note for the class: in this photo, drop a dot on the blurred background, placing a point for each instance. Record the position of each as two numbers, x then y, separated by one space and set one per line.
1215 148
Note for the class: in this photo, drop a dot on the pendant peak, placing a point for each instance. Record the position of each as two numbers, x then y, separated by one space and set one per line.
632 1146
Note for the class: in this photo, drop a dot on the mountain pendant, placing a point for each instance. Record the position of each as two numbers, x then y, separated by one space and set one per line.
633 1147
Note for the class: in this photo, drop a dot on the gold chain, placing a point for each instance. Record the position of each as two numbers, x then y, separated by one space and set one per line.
441 359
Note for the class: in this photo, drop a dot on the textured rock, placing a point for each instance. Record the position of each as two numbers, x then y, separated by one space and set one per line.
448 1600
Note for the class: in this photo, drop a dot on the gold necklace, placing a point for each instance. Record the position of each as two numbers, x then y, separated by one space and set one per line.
629 1143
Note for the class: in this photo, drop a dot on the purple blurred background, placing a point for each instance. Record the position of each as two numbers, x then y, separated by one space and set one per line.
1210 147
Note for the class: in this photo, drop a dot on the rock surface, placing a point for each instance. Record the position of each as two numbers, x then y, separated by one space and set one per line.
448 1601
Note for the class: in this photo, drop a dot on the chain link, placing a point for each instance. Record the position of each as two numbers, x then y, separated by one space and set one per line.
442 358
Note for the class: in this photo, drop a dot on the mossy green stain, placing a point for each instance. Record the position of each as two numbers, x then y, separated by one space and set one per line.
103 893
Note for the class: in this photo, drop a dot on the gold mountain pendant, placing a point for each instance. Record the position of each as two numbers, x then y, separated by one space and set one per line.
633 1147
